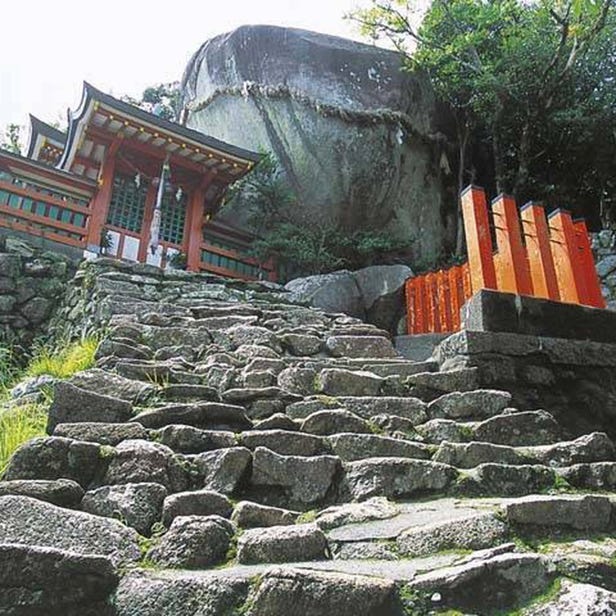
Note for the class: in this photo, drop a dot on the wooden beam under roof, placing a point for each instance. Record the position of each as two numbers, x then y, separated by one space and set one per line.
160 138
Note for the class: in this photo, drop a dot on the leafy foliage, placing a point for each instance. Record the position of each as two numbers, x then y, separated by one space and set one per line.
531 87
11 139
163 100
308 246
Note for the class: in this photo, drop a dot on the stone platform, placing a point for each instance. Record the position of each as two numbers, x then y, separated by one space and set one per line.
561 357
494 311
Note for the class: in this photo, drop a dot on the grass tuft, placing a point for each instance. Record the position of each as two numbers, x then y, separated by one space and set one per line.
63 362
18 425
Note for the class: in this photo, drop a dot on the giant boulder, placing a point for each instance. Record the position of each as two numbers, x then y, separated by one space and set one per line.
356 137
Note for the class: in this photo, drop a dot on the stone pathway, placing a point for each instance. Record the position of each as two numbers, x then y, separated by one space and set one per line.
235 454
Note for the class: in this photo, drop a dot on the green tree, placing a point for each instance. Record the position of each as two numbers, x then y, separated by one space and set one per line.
513 73
163 100
11 139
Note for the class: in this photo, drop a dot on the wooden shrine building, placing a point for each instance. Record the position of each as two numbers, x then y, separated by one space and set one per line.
129 184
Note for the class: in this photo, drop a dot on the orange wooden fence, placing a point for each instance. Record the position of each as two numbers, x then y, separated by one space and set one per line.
520 251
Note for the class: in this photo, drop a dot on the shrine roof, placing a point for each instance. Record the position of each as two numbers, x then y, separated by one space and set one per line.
104 112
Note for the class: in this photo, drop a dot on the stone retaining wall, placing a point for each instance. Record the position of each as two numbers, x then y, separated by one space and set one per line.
604 249
32 285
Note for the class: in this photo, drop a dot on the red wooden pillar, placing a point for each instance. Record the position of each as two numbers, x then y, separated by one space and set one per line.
194 224
100 203
591 280
513 265
569 272
540 260
478 239
194 229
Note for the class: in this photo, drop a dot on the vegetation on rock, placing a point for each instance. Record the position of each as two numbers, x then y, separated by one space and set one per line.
312 246
62 361
18 425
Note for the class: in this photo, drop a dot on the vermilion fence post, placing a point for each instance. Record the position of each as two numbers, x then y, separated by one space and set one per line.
409 296
431 309
456 294
540 260
591 279
444 301
478 239
512 264
569 272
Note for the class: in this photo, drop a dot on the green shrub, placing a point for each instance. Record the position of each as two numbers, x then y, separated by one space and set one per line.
18 425
64 361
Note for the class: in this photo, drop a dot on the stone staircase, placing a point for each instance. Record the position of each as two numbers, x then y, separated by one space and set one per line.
232 453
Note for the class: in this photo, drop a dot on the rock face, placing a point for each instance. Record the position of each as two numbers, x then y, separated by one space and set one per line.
374 293
354 135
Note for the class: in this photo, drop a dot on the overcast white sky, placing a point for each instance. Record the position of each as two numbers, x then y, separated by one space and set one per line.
48 47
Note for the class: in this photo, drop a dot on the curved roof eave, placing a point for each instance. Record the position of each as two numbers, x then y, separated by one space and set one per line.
92 94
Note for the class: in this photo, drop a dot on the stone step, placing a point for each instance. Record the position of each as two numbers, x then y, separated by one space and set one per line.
191 440
595 447
438 383
397 478
247 514
579 513
282 544
576 598
102 433
138 505
106 383
212 415
73 404
485 585
193 542
475 404
369 406
360 346
158 372
400 368
516 428
32 522
61 492
338 382
42 580
289 590
350 447
296 481
591 476
497 479
196 502
335 421
473 531
185 392
285 442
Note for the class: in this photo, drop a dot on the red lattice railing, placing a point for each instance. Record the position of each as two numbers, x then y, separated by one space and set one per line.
537 255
